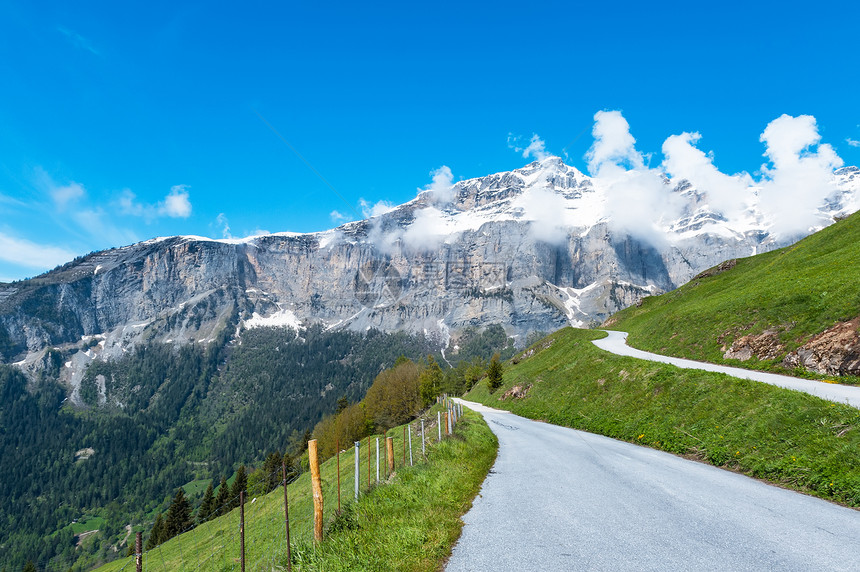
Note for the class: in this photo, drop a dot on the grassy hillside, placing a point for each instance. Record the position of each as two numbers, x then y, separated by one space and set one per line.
409 524
785 437
798 291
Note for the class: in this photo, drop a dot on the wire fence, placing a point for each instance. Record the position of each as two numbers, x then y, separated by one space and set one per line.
265 532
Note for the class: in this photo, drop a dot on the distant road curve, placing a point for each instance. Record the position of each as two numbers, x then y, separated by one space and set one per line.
616 343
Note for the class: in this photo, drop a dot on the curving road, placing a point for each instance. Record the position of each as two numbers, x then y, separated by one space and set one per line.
560 499
616 343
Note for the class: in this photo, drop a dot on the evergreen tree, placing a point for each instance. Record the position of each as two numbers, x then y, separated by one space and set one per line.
271 472
292 467
239 485
204 513
342 403
30 567
494 374
156 535
221 499
178 516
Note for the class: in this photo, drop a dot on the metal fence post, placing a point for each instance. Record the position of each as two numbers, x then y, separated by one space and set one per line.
423 449
357 457
409 431
138 551
286 518
242 529
439 423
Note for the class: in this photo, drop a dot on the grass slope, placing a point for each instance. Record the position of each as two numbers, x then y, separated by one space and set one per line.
789 438
800 290
409 524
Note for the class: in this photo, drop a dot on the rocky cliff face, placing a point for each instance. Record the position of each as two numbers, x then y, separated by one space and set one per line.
484 255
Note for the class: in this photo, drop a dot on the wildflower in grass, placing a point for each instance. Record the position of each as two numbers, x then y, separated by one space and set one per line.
640 436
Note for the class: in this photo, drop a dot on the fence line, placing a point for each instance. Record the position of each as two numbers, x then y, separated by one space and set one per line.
220 551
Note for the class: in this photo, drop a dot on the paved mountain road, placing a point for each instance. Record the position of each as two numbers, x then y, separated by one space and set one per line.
559 499
616 342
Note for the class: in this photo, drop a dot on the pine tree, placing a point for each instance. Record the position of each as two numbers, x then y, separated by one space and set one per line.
222 499
342 403
30 567
292 468
271 472
207 505
494 374
178 516
156 535
239 485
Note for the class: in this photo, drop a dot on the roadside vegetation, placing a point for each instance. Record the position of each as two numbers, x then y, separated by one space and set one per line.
785 437
411 522
795 292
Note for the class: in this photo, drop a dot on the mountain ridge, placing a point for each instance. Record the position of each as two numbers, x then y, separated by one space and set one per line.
533 249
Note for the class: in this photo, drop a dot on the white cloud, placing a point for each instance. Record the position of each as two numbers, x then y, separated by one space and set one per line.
66 194
852 142
613 143
380 208
338 217
427 231
727 194
536 147
799 178
176 203
442 188
638 201
221 221
546 210
78 40
32 255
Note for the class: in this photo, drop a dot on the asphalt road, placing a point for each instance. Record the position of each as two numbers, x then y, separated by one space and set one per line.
616 343
559 499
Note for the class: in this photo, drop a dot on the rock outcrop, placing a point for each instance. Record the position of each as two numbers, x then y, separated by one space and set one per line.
835 351
480 258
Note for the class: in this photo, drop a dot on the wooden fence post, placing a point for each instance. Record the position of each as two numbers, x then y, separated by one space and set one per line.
389 449
242 529
368 462
286 518
377 459
316 487
138 551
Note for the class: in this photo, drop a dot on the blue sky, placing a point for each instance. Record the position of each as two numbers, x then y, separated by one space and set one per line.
123 121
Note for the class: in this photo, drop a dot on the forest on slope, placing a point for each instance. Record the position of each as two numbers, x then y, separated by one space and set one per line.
163 418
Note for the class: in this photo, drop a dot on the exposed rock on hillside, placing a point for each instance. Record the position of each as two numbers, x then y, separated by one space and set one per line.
835 351
764 346
489 255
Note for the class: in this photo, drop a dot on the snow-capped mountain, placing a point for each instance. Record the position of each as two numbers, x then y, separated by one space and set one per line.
533 249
